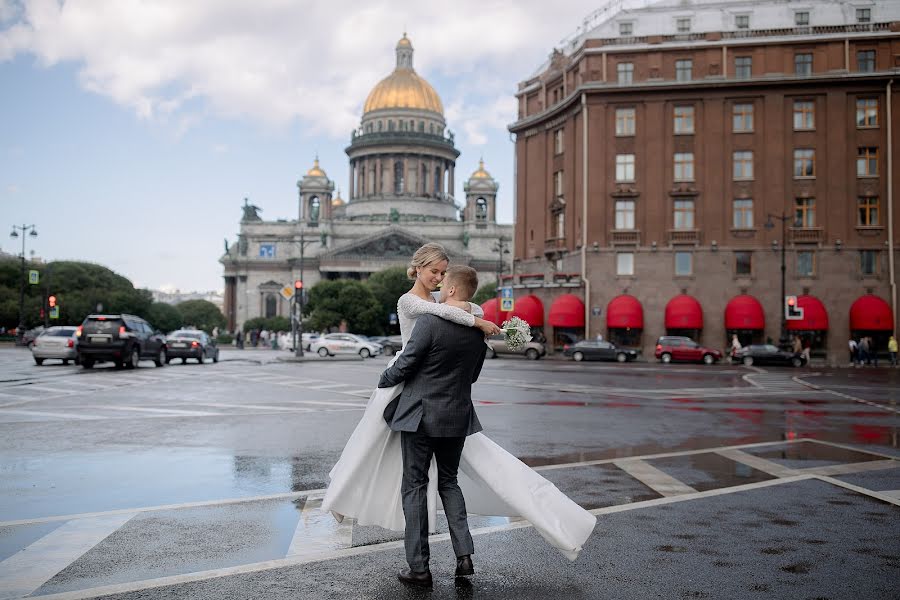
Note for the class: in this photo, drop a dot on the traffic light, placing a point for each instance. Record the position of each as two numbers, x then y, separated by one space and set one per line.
792 312
298 284
51 301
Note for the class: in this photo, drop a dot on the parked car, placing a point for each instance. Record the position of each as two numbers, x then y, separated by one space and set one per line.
533 350
56 343
191 343
307 339
768 354
123 339
598 350
390 345
331 344
31 334
676 348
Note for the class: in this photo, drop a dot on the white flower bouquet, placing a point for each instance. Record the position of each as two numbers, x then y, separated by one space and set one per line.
518 333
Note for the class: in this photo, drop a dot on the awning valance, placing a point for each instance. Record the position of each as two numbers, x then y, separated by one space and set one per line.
624 312
744 312
684 312
566 311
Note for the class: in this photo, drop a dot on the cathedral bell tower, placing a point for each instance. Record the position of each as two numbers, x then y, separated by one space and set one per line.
481 198
315 196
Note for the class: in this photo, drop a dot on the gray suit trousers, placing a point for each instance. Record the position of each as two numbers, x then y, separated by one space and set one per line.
417 451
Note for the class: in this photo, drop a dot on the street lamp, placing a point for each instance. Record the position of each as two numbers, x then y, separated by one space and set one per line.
297 312
770 225
32 232
501 247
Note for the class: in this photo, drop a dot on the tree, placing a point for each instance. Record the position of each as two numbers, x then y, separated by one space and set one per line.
201 314
331 302
268 323
164 317
388 285
485 293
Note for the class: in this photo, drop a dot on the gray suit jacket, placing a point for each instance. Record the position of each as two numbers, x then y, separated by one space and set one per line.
439 364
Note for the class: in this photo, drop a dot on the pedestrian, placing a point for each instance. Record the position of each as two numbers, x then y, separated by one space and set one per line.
892 350
240 339
215 333
807 349
796 346
854 351
863 351
735 345
873 351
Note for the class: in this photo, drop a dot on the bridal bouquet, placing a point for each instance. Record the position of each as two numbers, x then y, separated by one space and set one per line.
518 333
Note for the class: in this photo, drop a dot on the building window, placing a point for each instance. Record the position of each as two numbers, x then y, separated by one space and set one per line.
806 263
742 118
868 211
867 162
684 263
626 28
743 164
683 25
742 21
804 163
626 73
863 15
271 306
558 181
743 67
804 115
558 141
867 112
743 213
684 119
805 212
684 166
803 64
625 263
868 262
559 222
481 209
683 69
624 167
801 18
624 214
865 61
624 121
683 214
743 263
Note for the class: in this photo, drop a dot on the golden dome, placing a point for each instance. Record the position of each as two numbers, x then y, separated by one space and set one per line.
481 173
337 200
316 171
404 88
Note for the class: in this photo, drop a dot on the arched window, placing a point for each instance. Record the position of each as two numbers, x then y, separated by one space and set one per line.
380 125
314 207
271 305
398 177
481 209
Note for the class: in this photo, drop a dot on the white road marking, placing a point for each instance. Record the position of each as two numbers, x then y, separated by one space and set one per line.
657 480
860 490
38 413
167 411
758 463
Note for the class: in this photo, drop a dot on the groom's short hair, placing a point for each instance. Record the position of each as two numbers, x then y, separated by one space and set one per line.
463 277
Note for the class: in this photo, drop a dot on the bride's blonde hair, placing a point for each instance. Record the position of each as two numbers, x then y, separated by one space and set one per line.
424 256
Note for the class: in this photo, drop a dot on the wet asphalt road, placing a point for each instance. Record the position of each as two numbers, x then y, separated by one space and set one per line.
252 439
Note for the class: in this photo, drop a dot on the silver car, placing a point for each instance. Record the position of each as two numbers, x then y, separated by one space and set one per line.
344 343
533 350
56 342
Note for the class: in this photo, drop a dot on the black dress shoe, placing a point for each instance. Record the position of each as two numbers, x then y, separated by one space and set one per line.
422 578
464 566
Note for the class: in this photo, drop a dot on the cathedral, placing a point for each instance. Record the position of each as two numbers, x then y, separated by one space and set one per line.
400 195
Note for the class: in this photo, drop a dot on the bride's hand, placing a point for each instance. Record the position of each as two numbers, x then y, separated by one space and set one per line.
487 327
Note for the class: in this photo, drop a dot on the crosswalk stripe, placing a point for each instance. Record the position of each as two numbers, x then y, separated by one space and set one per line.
655 479
40 413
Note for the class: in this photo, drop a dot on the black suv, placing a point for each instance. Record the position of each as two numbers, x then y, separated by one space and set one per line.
123 339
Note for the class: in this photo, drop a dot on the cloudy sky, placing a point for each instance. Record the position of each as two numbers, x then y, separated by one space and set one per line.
131 130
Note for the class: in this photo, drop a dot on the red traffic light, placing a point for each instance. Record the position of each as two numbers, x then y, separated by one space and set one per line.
51 301
298 284
791 301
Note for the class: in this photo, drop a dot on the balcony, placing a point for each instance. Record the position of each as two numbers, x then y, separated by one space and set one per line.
625 237
807 235
684 236
555 246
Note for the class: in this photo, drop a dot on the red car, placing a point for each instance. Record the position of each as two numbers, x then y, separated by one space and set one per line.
671 348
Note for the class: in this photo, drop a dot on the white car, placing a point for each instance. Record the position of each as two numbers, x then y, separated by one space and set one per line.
344 343
55 342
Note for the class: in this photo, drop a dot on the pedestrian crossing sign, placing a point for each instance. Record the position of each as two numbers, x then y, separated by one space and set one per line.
506 304
34 277
54 312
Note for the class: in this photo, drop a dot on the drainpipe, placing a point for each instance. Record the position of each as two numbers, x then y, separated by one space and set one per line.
890 205
584 215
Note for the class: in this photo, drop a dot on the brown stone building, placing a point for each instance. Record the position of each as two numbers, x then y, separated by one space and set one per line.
668 158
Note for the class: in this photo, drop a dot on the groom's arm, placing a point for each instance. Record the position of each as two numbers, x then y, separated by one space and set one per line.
411 357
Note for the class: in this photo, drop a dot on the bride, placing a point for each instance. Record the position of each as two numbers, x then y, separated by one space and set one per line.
365 482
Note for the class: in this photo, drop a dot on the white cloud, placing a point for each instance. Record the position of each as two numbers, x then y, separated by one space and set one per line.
276 61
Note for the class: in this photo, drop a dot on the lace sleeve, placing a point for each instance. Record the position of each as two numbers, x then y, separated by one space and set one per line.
411 306
476 310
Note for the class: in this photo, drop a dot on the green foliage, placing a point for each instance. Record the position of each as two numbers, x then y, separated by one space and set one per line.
485 293
388 285
331 302
269 323
164 317
201 314
224 339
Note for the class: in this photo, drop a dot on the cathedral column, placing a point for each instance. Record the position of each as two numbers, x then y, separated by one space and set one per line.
379 186
350 183
230 293
389 176
452 190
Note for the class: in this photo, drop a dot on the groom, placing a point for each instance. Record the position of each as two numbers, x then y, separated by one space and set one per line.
434 414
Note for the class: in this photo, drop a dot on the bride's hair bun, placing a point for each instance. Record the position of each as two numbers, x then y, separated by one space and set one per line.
424 256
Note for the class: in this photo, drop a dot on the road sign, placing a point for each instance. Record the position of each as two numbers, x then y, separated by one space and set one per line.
287 292
34 277
506 292
506 304
54 312
596 311
792 311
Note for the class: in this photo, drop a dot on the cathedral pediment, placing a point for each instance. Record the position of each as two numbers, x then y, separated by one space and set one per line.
393 242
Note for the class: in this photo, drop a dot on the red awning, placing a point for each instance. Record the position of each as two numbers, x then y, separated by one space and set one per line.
744 312
871 313
684 312
624 312
491 312
566 311
530 309
815 317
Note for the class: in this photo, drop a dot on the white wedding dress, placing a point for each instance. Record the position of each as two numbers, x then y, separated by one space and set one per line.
365 482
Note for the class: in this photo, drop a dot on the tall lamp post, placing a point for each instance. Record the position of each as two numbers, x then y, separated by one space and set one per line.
32 232
784 218
501 247
297 316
